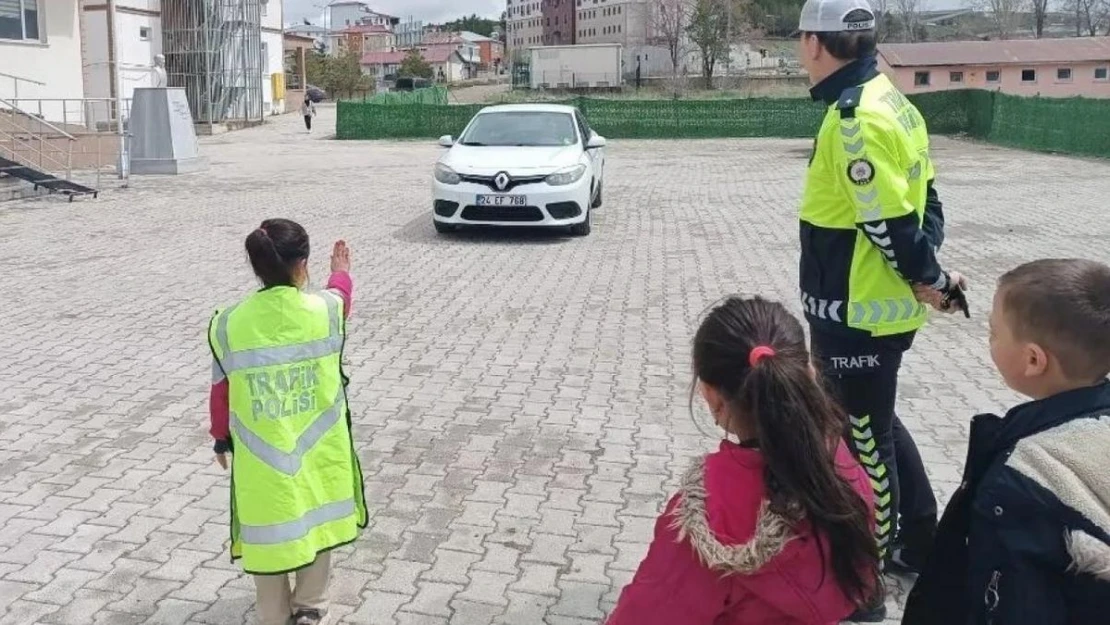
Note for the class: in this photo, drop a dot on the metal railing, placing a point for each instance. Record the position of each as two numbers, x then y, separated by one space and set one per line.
33 141
18 79
88 114
77 136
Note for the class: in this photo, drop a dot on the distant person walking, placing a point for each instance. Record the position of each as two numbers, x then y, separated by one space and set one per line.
308 109
279 407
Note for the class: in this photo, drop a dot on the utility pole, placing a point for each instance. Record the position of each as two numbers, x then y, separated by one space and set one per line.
114 89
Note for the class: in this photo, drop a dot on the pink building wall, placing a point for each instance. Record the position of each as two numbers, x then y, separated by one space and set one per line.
1082 82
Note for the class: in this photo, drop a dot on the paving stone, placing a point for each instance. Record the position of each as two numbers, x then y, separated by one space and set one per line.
536 436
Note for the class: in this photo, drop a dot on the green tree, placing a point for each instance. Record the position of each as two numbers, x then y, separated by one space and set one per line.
708 30
414 65
472 23
338 76
776 18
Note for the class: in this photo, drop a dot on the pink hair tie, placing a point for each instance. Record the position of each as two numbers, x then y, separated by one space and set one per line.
263 231
759 353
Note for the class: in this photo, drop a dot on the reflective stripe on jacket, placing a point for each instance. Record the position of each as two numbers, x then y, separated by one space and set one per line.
296 484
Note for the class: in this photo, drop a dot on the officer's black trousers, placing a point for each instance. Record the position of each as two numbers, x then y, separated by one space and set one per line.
863 374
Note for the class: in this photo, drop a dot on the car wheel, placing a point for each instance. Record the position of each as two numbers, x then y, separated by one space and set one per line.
597 198
582 229
443 228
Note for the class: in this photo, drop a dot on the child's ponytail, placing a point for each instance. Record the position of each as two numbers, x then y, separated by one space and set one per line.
274 248
754 352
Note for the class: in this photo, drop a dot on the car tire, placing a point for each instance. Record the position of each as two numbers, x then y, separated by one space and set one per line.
596 203
582 229
443 228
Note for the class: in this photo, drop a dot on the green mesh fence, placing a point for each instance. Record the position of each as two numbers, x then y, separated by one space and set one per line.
1071 125
1075 125
436 95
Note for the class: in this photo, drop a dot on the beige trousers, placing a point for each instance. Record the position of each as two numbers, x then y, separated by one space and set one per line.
277 603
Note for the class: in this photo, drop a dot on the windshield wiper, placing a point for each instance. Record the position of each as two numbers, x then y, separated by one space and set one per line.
473 143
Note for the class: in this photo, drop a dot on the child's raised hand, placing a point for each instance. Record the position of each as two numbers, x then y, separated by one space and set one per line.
340 257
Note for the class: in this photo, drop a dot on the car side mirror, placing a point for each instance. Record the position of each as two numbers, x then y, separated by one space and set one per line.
596 141
446 141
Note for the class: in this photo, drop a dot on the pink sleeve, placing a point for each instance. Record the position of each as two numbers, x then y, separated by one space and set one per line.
219 410
341 283
670 585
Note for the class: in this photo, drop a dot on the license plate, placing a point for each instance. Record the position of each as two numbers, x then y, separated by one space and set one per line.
502 200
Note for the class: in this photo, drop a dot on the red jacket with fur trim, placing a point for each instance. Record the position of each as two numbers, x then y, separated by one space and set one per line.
721 557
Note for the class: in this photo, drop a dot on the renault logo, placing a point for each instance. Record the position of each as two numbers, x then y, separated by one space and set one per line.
501 181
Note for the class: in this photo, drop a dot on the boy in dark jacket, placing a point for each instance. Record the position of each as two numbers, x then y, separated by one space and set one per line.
1026 537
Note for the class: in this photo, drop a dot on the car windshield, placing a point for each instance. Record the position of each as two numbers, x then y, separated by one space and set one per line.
521 128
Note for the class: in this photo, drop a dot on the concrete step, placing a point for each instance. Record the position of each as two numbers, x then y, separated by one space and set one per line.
16 189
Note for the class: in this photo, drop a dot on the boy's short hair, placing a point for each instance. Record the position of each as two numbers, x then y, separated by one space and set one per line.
1064 306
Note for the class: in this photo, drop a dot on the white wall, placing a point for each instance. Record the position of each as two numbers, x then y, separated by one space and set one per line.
273 48
136 55
55 61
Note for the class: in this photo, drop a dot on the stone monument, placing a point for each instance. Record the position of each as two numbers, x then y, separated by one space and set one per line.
163 139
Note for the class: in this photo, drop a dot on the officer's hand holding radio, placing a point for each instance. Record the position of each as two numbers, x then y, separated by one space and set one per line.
947 300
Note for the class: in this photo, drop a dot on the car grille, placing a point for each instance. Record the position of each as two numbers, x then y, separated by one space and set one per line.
502 213
564 210
513 182
445 208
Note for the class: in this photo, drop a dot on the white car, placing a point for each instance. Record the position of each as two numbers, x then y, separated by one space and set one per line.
520 165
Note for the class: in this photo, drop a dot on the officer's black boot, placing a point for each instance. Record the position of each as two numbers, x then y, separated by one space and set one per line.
914 545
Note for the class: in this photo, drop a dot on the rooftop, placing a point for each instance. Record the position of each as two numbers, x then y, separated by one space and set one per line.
999 52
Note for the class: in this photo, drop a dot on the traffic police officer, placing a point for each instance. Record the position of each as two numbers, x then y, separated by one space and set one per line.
870 227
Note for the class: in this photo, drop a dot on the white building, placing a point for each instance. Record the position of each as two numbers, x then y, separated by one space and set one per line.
524 28
56 52
40 52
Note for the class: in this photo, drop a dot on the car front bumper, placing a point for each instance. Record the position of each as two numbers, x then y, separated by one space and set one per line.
457 204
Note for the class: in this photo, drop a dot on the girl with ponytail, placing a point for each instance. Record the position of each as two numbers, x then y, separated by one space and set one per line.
281 424
775 526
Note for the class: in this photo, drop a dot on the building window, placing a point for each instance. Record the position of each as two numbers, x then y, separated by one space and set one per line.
19 20
1101 73
955 77
265 59
1028 75
921 79
144 33
994 76
1063 74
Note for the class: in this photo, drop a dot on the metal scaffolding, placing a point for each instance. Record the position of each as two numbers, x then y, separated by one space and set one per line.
213 49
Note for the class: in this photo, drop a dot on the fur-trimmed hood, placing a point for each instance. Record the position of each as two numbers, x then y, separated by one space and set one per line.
691 520
1069 462
724 513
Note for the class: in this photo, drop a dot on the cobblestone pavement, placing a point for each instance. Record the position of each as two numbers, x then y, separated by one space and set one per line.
520 398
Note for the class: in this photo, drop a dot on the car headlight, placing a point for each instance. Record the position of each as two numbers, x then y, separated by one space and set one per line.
569 175
446 175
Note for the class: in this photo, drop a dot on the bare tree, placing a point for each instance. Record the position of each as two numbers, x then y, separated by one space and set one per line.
882 19
1092 17
1040 12
1005 14
910 11
669 20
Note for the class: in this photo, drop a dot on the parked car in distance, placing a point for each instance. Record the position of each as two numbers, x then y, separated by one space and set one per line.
411 84
520 165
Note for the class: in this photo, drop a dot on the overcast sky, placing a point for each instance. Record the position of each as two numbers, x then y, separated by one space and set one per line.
425 10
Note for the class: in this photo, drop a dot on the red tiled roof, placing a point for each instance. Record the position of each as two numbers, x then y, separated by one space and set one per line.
431 54
1001 52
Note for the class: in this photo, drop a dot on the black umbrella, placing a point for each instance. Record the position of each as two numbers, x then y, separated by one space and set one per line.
315 94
